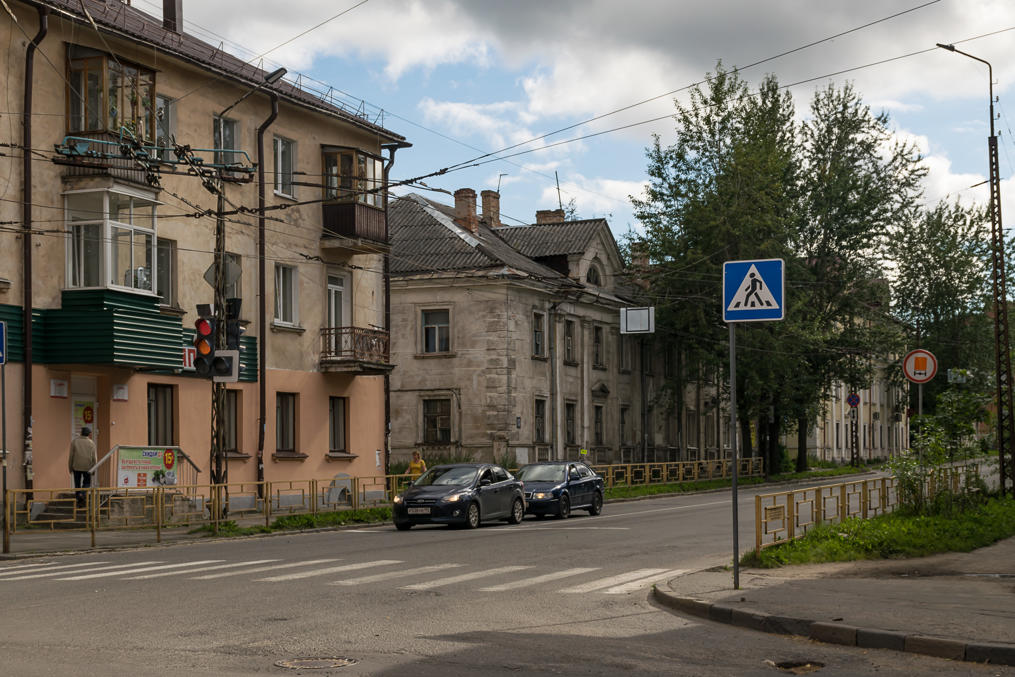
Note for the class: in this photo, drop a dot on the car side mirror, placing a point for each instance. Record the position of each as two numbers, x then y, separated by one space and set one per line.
485 482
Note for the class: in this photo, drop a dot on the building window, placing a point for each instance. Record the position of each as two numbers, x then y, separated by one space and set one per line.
538 335
231 421
285 294
234 264
624 413
539 422
161 428
437 421
569 432
598 348
339 310
110 95
691 427
224 141
285 162
710 430
436 331
165 275
569 352
351 175
597 425
285 421
337 441
593 277
111 240
165 126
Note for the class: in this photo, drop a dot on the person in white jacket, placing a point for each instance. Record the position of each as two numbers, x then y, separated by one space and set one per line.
81 459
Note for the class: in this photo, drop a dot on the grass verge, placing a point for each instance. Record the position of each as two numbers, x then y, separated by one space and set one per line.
299 522
896 535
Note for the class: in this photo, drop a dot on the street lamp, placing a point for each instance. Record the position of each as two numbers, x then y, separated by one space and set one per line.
1002 356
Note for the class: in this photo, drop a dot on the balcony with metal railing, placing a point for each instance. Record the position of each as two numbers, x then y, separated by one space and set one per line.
355 350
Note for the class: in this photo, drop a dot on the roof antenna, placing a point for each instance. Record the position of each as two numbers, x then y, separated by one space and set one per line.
499 176
559 203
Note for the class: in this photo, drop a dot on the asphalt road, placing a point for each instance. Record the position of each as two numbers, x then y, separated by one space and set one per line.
545 597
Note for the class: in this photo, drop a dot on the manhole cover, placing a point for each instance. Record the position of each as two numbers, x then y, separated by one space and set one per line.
797 667
315 663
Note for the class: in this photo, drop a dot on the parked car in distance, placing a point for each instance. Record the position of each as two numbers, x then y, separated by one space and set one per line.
464 494
558 487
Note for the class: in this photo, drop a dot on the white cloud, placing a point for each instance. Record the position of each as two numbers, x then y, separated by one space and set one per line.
594 197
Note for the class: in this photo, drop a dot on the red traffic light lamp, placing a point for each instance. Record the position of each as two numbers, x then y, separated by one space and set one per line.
204 341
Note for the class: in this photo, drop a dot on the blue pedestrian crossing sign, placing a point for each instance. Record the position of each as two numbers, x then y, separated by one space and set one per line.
753 291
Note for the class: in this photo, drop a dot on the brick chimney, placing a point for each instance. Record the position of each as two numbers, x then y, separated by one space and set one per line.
465 209
549 216
172 15
491 208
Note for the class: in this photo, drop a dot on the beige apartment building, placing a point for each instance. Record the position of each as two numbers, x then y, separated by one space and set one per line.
110 232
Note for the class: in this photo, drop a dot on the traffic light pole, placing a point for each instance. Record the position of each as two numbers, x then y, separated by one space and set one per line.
219 389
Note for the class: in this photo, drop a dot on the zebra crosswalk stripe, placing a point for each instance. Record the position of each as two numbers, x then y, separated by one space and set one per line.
34 565
50 574
46 569
257 570
536 580
613 580
642 582
462 578
394 574
211 568
329 570
106 574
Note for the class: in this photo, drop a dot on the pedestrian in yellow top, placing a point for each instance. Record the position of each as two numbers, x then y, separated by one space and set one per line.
417 466
81 459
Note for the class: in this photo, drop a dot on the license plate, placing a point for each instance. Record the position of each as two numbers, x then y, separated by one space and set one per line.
419 511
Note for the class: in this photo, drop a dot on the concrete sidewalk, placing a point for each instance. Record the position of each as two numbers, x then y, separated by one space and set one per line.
956 605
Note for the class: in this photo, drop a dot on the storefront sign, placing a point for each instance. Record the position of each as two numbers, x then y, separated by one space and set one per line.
143 467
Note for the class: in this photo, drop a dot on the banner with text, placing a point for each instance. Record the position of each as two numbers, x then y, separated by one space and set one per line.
142 467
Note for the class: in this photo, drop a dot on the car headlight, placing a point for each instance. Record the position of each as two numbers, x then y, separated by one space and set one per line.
542 495
396 499
453 498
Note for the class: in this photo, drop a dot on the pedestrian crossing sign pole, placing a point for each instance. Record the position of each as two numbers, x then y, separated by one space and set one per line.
752 291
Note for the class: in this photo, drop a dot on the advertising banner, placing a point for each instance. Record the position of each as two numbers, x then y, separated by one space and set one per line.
143 467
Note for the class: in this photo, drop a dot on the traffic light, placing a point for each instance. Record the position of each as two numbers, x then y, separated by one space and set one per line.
233 328
204 340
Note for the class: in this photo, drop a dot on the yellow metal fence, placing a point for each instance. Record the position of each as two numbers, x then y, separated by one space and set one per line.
783 516
250 503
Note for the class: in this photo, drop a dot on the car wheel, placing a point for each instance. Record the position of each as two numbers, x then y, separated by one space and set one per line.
472 516
403 526
597 504
517 512
564 507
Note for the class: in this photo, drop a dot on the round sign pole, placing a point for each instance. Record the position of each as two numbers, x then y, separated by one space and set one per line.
919 366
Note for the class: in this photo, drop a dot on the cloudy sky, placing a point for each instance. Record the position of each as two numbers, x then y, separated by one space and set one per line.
462 78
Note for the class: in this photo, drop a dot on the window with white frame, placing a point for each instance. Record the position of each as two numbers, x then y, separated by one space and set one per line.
285 294
165 275
112 239
285 163
225 141
436 331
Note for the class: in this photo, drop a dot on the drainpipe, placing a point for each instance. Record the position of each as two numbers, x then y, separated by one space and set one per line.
391 147
26 154
262 321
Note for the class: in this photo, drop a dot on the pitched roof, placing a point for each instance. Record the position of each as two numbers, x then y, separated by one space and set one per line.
121 19
552 239
425 239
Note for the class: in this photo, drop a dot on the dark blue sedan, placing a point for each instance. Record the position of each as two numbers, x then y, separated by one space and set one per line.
557 487
463 494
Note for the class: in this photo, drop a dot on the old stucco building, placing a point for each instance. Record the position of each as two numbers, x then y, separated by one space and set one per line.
107 261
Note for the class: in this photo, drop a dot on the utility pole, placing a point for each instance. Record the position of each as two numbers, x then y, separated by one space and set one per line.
1002 344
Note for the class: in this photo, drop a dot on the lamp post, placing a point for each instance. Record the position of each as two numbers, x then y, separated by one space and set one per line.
220 471
1002 356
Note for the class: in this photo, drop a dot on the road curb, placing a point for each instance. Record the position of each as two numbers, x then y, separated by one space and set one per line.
837 633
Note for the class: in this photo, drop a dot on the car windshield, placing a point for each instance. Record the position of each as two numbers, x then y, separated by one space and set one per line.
450 476
542 473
